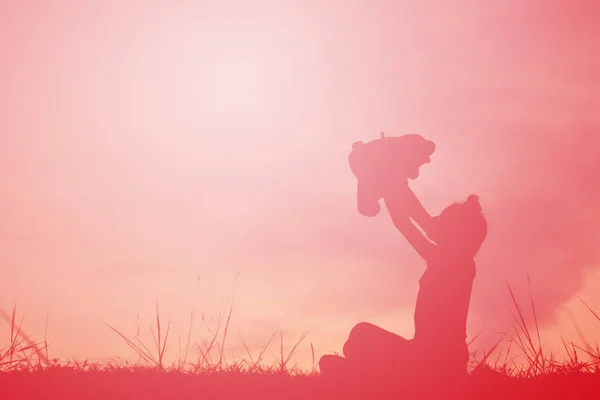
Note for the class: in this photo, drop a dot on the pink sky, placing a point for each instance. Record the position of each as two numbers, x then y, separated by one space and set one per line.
145 144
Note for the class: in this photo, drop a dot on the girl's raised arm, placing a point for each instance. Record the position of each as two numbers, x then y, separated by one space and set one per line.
417 212
402 222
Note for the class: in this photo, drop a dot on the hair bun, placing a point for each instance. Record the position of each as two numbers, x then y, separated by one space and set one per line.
473 201
358 144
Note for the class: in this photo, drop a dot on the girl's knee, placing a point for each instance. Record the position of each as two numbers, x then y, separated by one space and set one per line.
361 336
361 330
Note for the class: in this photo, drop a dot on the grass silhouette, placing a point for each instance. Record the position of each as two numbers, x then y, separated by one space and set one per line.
27 371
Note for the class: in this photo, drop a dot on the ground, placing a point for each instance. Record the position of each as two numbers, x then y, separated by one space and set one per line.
152 383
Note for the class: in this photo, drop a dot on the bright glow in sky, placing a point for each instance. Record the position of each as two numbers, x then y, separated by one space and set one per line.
152 150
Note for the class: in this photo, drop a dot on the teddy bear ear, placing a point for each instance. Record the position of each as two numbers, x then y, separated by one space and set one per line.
430 146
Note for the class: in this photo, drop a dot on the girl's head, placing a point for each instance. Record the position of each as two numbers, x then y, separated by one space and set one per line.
385 162
461 226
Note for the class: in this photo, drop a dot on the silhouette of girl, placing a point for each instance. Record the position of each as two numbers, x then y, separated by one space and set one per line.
441 310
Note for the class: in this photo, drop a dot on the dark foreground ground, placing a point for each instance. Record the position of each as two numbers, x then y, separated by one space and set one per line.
70 383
